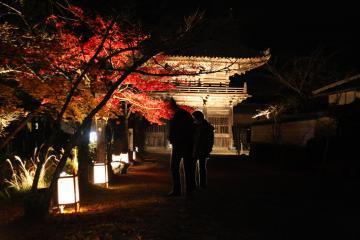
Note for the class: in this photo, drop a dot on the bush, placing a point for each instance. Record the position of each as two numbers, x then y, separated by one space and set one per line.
22 171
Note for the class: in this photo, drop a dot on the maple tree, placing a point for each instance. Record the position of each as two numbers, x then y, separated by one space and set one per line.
81 66
78 66
49 63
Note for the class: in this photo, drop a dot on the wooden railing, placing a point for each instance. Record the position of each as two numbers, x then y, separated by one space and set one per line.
181 89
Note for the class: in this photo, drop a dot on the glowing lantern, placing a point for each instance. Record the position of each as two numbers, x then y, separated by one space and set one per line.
119 162
123 157
101 174
134 153
68 191
93 137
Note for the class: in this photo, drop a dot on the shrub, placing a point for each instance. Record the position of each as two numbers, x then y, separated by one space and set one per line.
23 171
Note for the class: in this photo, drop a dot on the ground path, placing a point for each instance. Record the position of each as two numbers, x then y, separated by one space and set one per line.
245 200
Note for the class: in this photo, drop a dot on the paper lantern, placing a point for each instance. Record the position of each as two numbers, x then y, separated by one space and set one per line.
68 191
123 157
120 162
93 137
101 174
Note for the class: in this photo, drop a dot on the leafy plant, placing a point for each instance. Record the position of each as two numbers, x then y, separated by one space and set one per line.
72 163
23 171
92 152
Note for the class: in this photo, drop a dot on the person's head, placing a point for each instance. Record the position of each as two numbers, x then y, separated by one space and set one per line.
198 116
173 103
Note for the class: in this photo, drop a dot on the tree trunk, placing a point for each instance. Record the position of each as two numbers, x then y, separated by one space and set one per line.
86 124
67 151
84 161
126 126
109 139
42 158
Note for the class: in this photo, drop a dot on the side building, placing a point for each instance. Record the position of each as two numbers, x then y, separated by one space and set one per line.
212 94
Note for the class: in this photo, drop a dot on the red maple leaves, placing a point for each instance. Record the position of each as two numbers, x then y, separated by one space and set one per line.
73 62
96 51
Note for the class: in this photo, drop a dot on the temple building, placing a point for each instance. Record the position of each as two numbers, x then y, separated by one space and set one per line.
210 93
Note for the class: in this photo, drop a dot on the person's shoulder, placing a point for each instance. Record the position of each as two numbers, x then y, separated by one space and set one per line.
209 125
179 113
186 113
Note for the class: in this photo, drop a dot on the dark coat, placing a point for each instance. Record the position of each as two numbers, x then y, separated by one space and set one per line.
181 129
203 139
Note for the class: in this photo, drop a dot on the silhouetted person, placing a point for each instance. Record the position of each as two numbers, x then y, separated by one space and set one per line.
181 131
203 143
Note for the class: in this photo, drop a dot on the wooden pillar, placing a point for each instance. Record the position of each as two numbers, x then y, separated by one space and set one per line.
231 122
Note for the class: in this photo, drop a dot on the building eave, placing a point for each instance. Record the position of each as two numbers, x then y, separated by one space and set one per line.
221 59
326 90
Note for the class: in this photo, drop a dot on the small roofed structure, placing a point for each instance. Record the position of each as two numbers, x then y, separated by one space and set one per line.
341 92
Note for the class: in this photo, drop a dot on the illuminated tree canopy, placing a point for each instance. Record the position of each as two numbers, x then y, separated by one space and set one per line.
74 59
79 65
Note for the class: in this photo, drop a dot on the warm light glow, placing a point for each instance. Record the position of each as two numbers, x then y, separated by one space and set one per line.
265 113
119 161
93 137
61 208
116 158
115 165
123 157
68 189
271 110
134 155
100 173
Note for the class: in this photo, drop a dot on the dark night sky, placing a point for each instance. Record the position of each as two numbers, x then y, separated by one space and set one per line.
295 28
292 29
286 28
299 29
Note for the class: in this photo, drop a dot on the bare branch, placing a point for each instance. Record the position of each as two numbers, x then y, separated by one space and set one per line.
18 13
282 79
